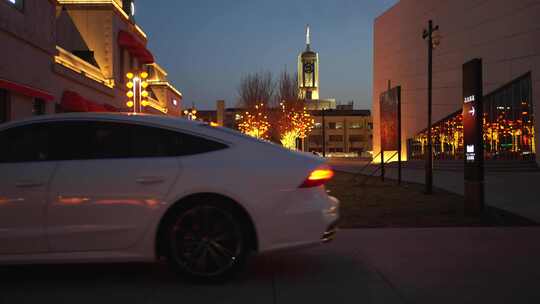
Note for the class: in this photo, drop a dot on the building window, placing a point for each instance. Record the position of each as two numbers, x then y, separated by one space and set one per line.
4 106
18 4
332 125
315 139
335 138
339 125
38 108
356 138
356 125
318 125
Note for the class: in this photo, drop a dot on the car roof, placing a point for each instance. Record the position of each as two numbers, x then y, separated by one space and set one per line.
120 117
180 124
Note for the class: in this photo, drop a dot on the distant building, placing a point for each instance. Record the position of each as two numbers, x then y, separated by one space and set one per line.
73 55
225 117
347 132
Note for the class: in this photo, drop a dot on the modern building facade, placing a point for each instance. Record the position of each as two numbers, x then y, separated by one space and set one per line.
73 55
504 34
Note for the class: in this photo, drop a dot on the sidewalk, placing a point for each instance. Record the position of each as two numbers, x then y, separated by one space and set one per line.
517 192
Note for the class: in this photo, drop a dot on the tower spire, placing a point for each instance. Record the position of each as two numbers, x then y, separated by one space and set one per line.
308 38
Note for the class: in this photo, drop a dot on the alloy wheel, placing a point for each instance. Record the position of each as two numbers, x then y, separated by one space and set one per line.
206 241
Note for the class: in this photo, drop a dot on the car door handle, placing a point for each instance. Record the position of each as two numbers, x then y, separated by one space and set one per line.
28 184
148 180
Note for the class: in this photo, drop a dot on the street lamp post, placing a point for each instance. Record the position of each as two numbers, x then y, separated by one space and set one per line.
428 34
191 113
323 132
136 91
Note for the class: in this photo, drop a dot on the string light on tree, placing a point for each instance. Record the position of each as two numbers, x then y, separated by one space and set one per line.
295 123
255 122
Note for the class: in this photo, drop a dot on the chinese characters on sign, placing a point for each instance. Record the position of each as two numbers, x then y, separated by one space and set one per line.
472 136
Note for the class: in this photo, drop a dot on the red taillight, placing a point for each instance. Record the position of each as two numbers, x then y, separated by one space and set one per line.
318 177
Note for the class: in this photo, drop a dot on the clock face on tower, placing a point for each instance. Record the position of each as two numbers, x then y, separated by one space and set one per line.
308 68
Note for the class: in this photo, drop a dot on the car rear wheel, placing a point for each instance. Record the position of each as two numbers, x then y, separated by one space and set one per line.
207 242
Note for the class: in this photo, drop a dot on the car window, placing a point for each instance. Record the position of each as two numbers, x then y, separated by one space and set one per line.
29 143
71 140
110 140
157 142
84 140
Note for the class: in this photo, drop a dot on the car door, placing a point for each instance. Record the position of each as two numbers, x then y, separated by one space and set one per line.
25 171
109 180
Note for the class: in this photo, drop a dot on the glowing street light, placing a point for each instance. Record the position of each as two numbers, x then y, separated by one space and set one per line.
191 113
137 94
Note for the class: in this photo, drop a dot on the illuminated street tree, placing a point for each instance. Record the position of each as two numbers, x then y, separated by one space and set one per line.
294 120
256 92
295 123
255 122
279 116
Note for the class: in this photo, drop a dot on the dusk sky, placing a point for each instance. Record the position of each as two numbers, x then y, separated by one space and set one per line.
208 45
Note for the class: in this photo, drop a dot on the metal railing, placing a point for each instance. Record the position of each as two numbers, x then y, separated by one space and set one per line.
377 168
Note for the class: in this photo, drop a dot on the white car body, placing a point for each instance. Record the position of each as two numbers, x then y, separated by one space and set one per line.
109 210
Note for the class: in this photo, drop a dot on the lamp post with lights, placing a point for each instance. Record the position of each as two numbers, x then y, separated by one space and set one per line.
432 42
137 93
191 113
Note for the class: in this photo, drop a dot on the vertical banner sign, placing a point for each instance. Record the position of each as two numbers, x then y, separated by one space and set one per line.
389 104
473 136
390 109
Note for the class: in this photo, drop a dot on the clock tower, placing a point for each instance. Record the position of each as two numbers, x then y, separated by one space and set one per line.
308 71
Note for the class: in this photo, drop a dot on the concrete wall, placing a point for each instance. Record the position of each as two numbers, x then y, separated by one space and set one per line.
503 33
20 106
28 43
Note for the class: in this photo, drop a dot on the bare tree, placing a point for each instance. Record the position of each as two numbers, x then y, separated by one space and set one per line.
287 88
256 89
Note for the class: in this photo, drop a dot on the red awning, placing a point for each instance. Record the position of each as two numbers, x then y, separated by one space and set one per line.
110 108
25 90
73 102
95 107
135 47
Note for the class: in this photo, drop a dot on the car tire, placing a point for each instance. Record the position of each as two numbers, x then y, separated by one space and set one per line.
206 241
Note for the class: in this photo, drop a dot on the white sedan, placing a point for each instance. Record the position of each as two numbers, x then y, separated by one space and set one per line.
118 187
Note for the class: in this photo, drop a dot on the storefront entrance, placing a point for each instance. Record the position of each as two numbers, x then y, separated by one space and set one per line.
508 128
